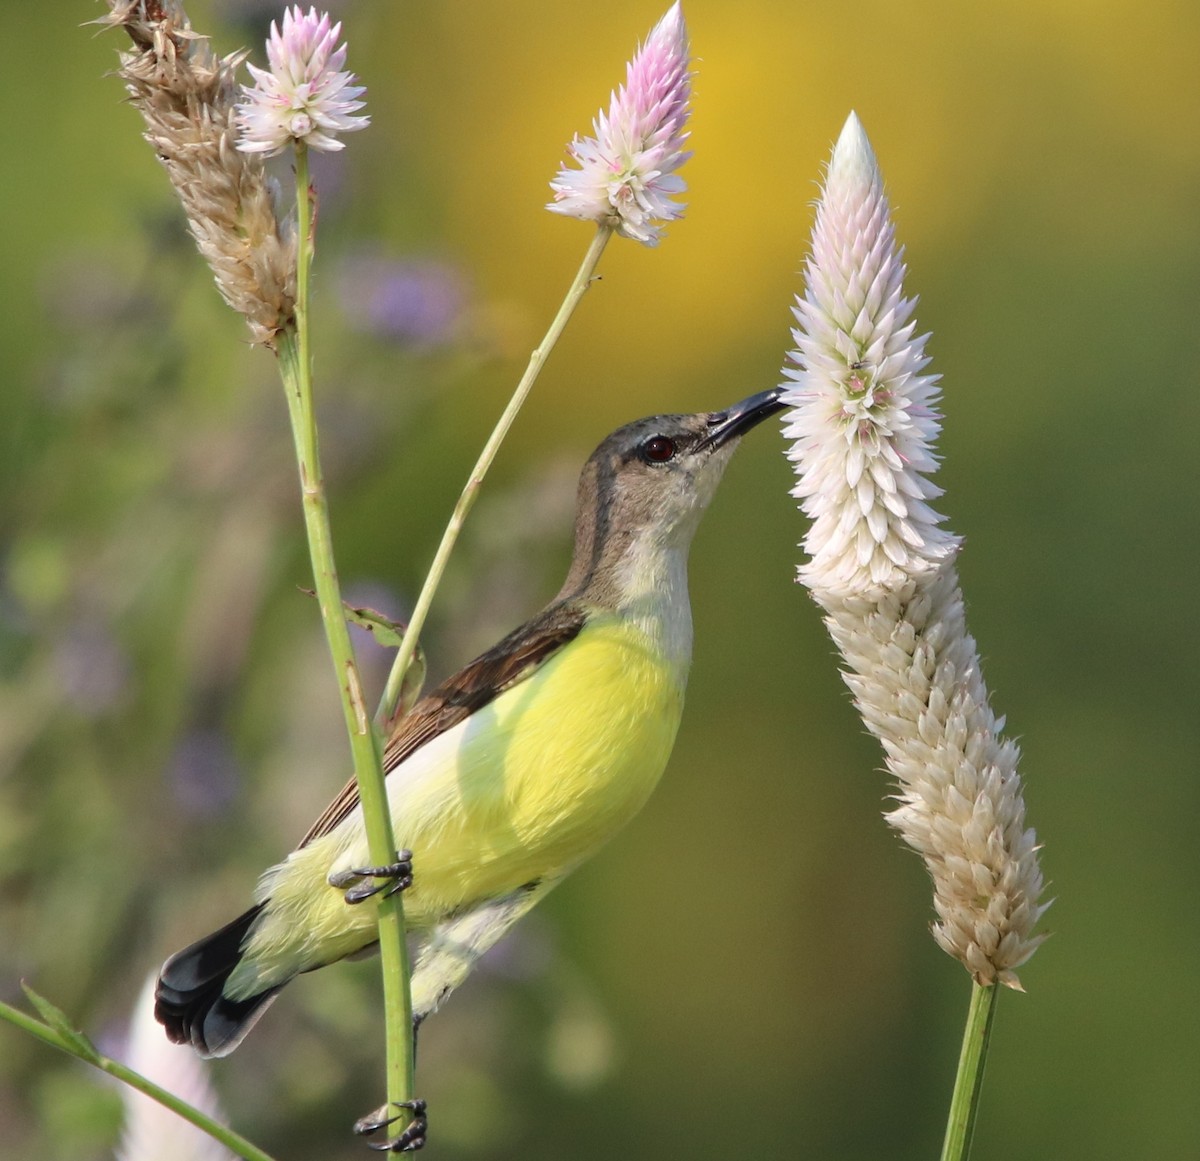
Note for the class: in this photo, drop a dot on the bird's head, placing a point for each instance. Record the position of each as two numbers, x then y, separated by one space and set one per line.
645 487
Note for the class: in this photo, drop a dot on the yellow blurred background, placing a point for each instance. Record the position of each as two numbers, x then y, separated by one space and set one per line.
747 970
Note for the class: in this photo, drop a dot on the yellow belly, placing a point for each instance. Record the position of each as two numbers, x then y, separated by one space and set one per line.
524 790
550 770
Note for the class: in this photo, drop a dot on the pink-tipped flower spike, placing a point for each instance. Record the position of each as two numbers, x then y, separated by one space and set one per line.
865 418
883 569
304 95
627 171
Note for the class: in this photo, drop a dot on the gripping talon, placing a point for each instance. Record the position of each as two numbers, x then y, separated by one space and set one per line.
375 1121
409 1141
402 883
397 876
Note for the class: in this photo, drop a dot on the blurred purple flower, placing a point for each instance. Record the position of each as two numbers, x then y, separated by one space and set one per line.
92 668
202 773
418 302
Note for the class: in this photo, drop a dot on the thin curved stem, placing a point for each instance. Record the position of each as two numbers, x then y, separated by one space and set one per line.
232 1141
576 291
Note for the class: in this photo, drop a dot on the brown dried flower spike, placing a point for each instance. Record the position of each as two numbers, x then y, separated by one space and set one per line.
186 96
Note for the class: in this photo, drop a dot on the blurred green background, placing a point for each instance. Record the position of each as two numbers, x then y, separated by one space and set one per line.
746 971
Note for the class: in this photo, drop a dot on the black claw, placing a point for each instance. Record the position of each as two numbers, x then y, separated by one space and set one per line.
408 1141
402 883
397 876
375 1121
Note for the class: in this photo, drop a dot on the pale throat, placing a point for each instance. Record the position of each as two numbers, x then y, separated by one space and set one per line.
652 581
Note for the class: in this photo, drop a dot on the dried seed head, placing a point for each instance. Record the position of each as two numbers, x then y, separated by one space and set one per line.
915 675
186 96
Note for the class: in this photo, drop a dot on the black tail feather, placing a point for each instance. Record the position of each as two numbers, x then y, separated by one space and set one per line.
188 1000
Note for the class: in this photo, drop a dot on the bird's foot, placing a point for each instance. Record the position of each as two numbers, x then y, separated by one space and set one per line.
397 876
409 1140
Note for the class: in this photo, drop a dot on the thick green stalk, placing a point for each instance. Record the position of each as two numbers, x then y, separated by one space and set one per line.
964 1104
231 1140
296 368
470 492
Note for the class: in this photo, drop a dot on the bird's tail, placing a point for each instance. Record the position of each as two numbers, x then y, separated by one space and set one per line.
189 1000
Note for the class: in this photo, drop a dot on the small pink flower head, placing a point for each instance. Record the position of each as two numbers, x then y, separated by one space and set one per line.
626 172
866 418
304 96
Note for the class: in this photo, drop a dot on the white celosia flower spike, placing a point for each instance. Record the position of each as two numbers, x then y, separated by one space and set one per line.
883 569
304 95
865 420
626 172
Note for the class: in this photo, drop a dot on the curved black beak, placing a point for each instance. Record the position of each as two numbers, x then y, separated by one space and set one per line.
724 426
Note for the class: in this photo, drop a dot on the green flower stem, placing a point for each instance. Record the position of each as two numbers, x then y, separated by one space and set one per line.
470 492
231 1140
967 1084
295 364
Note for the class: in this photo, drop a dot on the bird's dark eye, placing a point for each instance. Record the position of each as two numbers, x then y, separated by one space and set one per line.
658 449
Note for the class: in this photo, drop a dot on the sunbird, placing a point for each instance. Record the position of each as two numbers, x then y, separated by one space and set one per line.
513 771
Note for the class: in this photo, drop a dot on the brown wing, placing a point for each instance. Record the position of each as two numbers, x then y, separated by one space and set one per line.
470 689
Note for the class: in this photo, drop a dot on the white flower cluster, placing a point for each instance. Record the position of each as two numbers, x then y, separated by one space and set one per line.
883 569
304 95
865 418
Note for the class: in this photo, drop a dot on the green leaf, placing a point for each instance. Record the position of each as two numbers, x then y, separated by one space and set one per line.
411 686
387 632
391 633
56 1018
